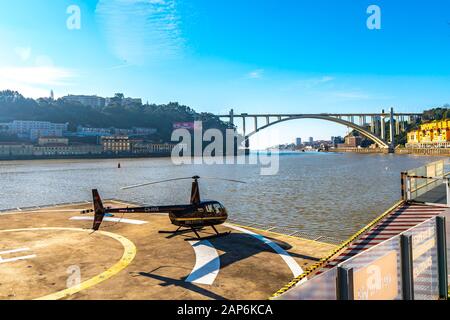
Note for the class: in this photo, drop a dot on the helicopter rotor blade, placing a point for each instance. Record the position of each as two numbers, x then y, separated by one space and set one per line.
177 179
155 182
223 179
51 210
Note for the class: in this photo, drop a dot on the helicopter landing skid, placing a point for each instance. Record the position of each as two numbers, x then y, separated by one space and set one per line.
217 235
194 230
177 232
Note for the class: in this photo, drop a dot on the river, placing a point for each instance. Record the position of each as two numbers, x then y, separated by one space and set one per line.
328 193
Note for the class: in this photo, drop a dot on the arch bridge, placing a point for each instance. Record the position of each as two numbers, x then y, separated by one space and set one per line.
370 125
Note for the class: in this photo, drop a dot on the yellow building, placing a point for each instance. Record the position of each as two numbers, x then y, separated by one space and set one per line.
436 132
116 144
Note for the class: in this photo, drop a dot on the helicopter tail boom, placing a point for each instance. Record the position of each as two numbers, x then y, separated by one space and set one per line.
98 209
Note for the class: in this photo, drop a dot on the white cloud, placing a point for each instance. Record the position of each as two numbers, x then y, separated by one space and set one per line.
309 85
327 87
314 82
352 95
36 81
23 53
256 74
140 31
44 61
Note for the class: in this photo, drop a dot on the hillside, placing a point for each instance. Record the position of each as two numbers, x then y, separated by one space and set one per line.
14 106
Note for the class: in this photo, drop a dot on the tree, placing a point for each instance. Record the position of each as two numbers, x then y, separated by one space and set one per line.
439 113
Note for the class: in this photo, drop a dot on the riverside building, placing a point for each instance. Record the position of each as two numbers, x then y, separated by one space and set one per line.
432 134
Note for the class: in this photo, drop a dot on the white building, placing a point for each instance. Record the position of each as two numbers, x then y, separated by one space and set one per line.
93 101
34 129
12 149
123 132
93 132
100 132
44 141
144 131
99 102
67 150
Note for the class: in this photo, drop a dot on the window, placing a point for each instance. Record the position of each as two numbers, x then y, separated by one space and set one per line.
217 208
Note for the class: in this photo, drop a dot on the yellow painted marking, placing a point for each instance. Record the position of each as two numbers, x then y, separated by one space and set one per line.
127 257
196 219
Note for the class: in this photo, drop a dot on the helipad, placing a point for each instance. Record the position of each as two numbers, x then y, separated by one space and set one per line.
51 253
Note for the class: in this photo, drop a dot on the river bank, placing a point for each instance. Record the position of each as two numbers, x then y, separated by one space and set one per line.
400 151
88 156
424 151
359 150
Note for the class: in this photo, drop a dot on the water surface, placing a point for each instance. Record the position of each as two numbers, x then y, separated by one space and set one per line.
331 194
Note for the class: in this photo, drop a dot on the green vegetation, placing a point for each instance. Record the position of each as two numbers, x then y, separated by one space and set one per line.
13 106
402 138
433 114
439 113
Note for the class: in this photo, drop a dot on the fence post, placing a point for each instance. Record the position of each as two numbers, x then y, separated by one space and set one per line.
344 283
407 267
408 188
402 181
442 257
447 188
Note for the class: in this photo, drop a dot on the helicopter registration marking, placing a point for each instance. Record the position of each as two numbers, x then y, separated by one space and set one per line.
207 263
199 219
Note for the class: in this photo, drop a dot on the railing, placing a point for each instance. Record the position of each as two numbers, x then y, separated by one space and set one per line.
429 145
427 184
409 266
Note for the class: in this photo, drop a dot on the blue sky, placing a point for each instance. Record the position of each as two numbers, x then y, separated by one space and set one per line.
252 55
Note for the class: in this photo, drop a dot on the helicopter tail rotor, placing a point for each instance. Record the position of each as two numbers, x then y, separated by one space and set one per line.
98 209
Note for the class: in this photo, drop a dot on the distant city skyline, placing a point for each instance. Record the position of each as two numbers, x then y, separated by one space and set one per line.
304 57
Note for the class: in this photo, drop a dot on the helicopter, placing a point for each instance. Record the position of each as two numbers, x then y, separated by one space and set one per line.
193 217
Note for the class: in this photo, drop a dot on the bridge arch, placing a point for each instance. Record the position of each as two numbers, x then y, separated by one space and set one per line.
359 129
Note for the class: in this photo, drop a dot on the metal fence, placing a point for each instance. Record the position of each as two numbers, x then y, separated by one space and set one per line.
409 266
427 184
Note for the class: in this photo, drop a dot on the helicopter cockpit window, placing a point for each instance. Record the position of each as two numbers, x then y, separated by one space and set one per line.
218 208
209 208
